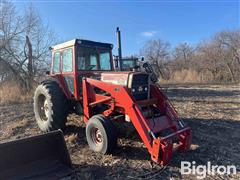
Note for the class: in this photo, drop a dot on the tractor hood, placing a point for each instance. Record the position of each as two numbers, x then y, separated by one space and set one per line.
120 78
123 78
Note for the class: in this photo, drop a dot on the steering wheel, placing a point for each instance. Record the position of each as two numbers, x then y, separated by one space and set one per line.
90 67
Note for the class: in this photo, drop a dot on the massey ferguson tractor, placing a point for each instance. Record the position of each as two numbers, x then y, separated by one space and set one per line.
83 79
86 80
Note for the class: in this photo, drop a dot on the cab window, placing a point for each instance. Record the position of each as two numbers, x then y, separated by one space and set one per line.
56 62
81 62
87 59
87 62
93 59
105 61
67 64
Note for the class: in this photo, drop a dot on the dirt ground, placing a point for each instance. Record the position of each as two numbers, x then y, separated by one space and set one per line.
212 112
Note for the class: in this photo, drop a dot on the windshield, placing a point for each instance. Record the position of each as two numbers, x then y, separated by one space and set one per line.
93 59
128 63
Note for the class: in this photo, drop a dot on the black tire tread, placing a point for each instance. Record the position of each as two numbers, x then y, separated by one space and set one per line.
110 131
59 104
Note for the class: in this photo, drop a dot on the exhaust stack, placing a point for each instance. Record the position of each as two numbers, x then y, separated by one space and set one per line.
119 48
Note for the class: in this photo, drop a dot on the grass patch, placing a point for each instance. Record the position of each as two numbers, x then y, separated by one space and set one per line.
10 92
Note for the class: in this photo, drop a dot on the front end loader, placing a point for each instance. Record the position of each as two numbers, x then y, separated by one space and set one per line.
148 109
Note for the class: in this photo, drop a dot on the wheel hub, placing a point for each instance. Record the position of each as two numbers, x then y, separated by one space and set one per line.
43 107
97 136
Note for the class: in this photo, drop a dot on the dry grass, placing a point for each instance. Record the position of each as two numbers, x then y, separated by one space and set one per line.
72 139
186 76
10 92
192 76
15 127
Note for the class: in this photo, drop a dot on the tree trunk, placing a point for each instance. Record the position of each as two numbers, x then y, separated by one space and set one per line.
158 67
30 64
231 72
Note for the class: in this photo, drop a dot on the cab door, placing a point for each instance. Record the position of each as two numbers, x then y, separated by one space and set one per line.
67 68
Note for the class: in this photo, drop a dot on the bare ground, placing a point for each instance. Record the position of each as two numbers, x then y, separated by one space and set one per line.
212 111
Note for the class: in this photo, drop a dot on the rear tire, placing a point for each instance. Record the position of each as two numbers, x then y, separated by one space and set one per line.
50 106
101 134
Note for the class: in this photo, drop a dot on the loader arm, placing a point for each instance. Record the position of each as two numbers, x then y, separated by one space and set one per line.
118 98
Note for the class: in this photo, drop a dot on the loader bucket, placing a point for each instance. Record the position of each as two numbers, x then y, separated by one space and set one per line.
39 157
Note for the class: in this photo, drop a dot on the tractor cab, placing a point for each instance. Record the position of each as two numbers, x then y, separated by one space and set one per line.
75 59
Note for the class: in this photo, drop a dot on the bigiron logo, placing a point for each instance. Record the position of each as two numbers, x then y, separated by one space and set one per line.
201 171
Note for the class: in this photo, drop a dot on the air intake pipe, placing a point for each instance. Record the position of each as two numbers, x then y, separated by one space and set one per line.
119 48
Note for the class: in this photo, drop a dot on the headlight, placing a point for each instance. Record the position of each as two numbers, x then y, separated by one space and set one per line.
133 90
146 88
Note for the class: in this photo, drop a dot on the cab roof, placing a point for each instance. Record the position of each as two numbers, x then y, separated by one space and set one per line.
81 42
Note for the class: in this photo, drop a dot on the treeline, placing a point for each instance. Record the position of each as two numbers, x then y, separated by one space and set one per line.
216 60
24 46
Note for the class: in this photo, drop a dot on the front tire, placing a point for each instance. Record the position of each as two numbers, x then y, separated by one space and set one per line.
101 134
50 106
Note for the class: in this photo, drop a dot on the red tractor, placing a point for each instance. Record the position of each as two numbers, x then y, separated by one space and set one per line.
82 79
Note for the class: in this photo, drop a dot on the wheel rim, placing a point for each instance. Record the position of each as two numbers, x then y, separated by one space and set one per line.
43 108
96 136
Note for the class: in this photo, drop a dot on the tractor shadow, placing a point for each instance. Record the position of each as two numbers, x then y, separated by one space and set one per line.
213 140
130 145
131 152
128 140
74 129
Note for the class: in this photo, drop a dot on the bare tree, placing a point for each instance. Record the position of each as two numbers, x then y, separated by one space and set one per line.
216 59
229 45
220 56
24 43
183 54
208 59
157 53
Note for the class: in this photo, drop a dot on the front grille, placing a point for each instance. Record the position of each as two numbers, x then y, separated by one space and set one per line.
140 86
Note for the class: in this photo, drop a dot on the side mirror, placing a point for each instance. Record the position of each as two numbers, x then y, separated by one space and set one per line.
145 65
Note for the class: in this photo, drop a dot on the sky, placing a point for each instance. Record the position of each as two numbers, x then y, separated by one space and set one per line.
139 21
